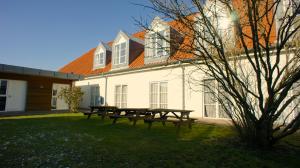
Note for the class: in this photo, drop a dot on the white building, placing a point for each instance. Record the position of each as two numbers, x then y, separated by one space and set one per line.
134 71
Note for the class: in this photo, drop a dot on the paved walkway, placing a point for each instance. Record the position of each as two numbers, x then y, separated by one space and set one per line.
23 113
214 121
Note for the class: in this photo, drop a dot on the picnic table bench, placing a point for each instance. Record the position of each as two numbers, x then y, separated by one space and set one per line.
176 116
133 114
102 111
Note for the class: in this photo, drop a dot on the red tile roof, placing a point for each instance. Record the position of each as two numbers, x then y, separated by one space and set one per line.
83 65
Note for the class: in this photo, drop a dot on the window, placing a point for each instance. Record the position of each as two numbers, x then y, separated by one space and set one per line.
159 95
157 44
210 103
296 90
99 58
95 96
121 96
296 7
212 108
3 90
3 87
120 56
293 5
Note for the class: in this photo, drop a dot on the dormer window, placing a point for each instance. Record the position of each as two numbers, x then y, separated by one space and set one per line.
159 41
101 55
125 49
120 53
157 44
99 58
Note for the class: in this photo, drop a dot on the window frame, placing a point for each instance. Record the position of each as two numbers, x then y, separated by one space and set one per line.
156 99
118 53
121 97
154 45
95 95
216 104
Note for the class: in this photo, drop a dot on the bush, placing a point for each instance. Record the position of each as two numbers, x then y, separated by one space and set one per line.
72 96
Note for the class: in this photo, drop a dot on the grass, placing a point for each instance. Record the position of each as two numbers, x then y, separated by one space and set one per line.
70 140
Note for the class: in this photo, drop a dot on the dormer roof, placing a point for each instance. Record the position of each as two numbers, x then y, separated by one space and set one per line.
84 64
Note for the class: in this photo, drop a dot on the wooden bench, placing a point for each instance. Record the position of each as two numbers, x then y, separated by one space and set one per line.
102 111
133 114
175 116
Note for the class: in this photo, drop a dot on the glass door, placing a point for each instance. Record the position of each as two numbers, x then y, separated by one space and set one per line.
3 93
54 98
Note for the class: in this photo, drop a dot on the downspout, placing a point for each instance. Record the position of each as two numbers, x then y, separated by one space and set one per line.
183 85
105 96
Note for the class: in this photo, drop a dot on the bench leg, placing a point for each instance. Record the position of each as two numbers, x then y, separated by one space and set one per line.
134 122
115 120
149 125
89 116
103 115
190 124
178 127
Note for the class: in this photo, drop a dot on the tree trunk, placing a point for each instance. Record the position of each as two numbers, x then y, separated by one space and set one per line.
263 137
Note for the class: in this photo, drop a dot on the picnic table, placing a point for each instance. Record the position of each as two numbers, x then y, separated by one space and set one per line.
176 116
133 114
101 111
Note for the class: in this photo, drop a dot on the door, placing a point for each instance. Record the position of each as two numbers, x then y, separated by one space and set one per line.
58 103
95 95
12 95
3 91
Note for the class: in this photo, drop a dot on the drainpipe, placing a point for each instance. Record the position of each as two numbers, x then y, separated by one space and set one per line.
105 96
183 85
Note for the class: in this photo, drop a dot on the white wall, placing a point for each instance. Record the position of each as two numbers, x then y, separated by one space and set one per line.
139 88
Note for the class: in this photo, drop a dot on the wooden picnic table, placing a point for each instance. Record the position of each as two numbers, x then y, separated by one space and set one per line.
176 116
101 111
133 114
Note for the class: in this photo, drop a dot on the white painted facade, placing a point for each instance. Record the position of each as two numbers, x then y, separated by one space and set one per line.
184 87
138 85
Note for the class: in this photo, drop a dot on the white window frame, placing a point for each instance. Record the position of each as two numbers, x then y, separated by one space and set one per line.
156 99
99 58
296 102
121 97
118 55
216 103
154 46
95 95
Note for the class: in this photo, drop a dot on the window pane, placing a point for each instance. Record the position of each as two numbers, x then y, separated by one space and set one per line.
101 58
116 59
122 59
154 95
2 103
163 95
208 85
160 44
117 95
222 113
3 87
210 111
123 46
209 98
124 96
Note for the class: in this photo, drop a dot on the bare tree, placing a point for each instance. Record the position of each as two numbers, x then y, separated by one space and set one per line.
251 49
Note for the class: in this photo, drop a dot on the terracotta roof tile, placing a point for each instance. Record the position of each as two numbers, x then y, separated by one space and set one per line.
84 64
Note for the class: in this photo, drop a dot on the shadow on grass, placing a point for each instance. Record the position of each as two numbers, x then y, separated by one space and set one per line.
70 140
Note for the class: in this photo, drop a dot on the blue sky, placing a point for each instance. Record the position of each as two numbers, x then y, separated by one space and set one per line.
48 34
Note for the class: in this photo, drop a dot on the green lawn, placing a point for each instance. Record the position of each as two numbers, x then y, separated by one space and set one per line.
70 140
